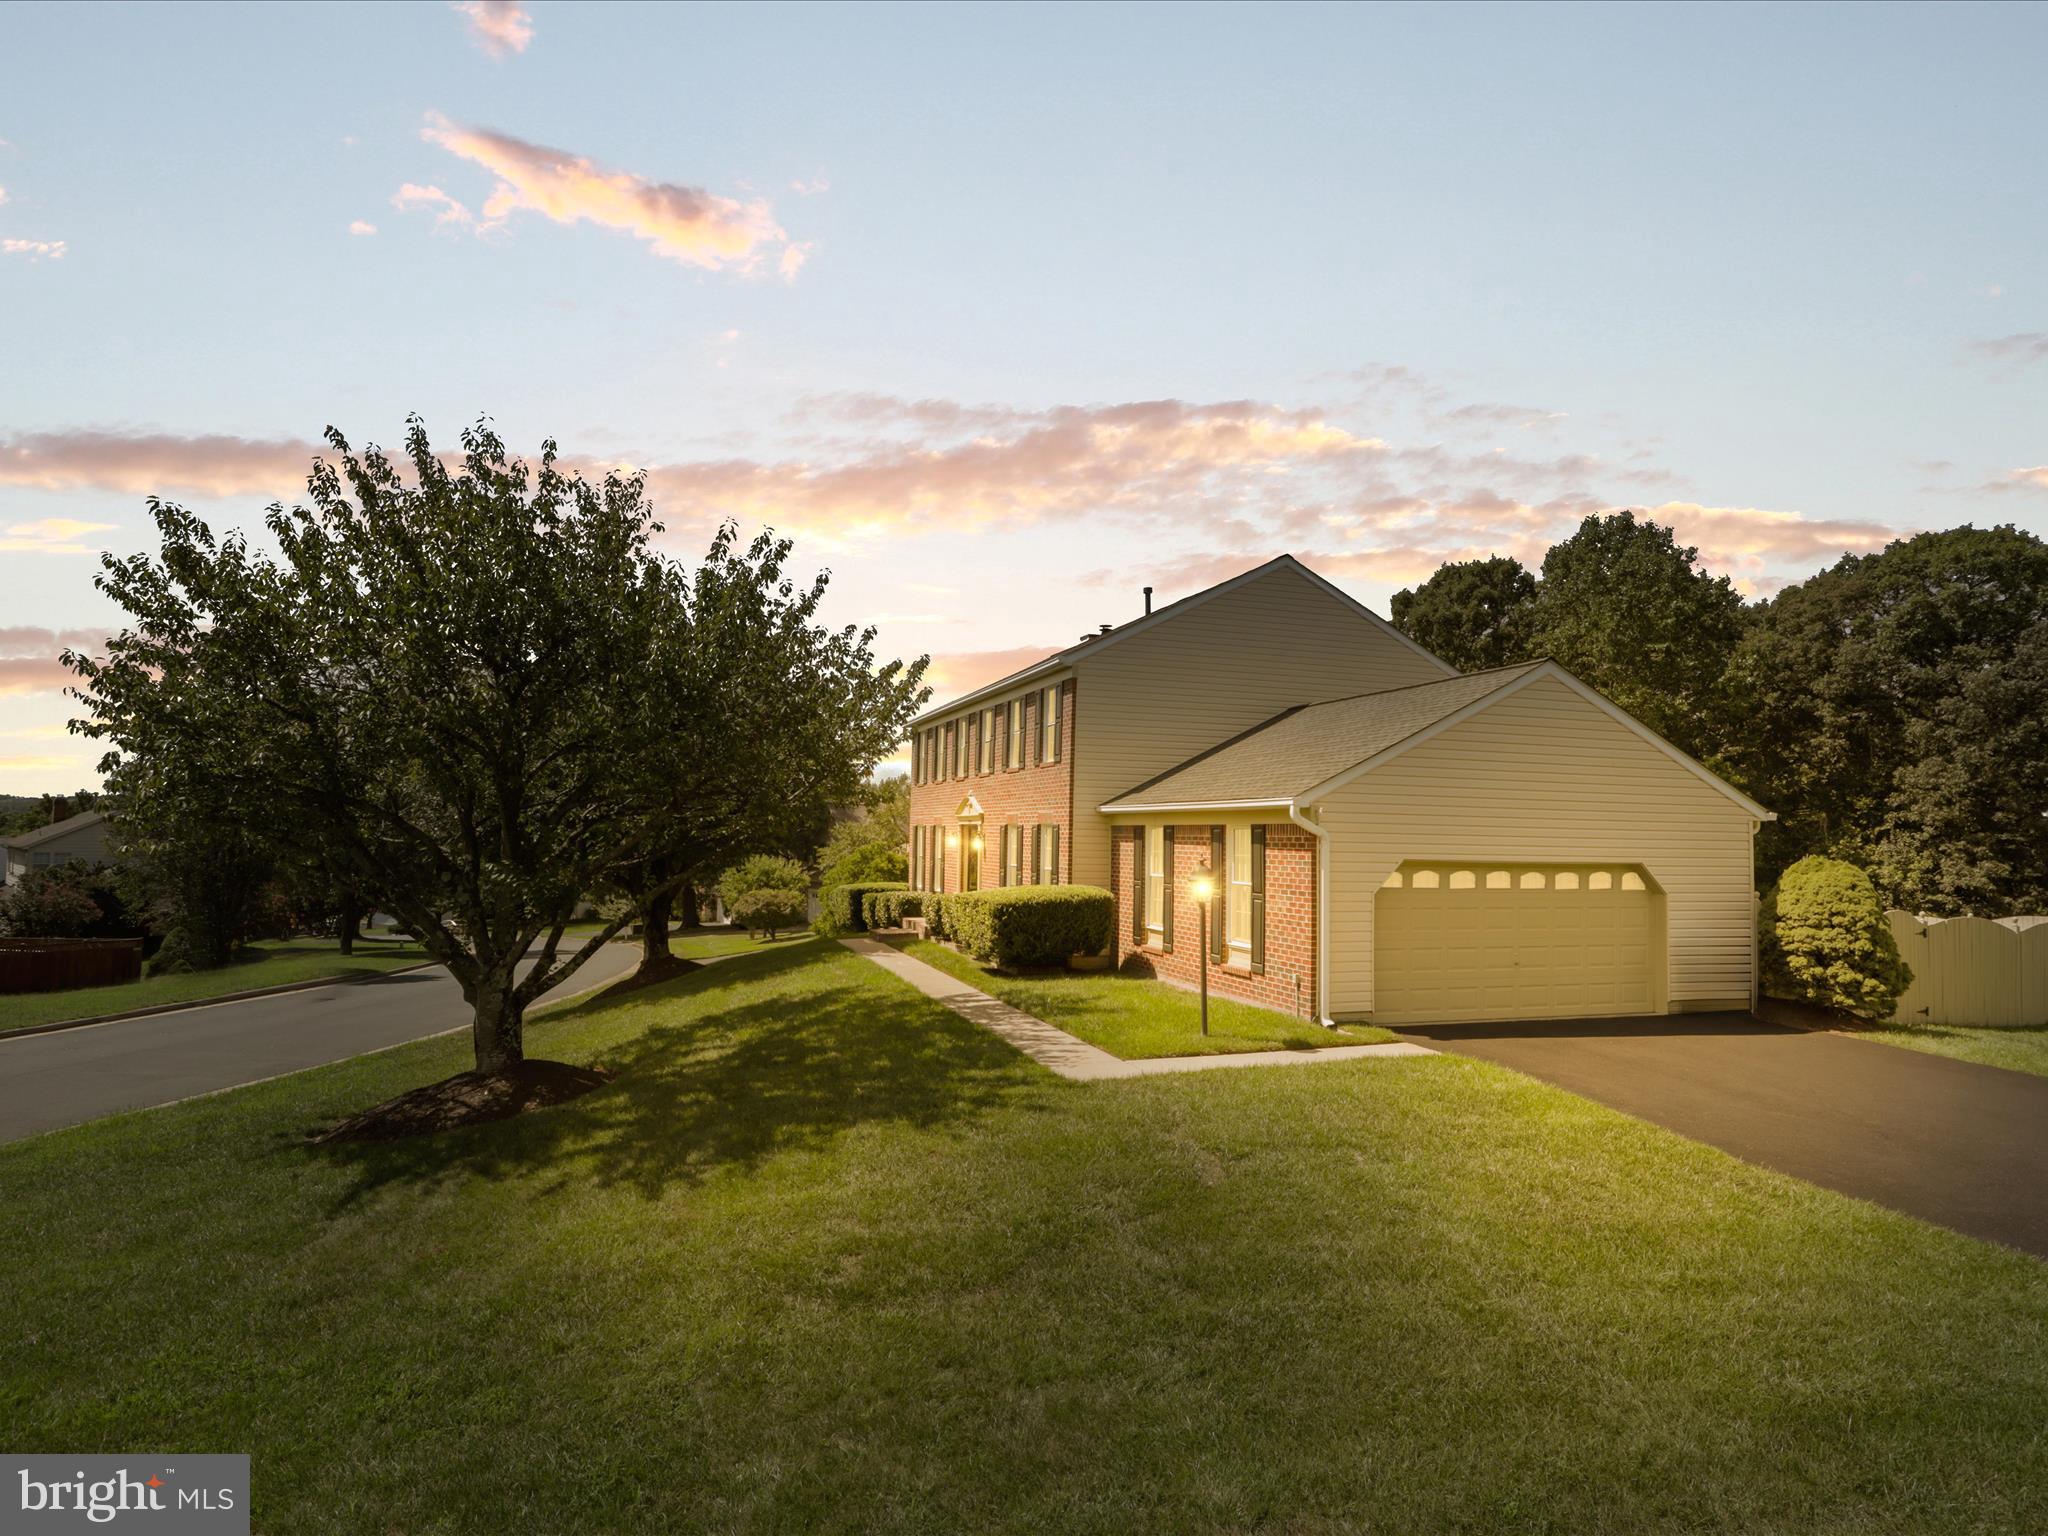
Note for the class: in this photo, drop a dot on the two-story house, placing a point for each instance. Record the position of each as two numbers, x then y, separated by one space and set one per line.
1389 839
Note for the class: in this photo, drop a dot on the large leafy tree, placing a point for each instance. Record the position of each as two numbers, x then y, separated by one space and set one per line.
785 719
1626 607
1894 710
1473 613
467 681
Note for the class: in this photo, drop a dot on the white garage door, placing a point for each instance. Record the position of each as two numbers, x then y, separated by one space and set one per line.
1462 942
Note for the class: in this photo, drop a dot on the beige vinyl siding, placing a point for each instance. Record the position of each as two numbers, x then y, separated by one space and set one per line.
1545 777
1156 698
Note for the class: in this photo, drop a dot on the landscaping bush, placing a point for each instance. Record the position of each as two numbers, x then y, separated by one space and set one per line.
1030 925
887 909
1824 940
841 910
770 910
935 915
762 872
49 904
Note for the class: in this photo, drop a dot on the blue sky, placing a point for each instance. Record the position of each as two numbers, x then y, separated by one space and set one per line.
1005 312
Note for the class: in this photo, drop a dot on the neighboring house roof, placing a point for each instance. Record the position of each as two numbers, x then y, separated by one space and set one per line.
1309 751
1094 644
55 829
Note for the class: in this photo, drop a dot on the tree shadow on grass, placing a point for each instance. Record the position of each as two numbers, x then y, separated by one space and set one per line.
725 1087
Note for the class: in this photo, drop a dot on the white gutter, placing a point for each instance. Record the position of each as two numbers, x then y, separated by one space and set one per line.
1322 837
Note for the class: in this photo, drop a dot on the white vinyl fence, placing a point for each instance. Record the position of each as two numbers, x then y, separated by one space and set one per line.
1973 970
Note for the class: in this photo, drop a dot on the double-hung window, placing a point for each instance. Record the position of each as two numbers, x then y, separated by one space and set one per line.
1155 883
988 740
1046 863
1237 923
960 748
1013 739
1049 725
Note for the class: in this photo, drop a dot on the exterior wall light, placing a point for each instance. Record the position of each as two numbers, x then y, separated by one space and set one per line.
1202 886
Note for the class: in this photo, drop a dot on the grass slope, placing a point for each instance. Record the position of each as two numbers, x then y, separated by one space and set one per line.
2022 1050
826 1257
1131 1017
272 963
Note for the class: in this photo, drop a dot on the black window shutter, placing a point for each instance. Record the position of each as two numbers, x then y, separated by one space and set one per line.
1219 876
1137 885
1052 857
1258 900
1166 888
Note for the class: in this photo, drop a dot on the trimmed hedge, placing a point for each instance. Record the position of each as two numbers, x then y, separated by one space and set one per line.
887 909
841 908
1824 940
1029 925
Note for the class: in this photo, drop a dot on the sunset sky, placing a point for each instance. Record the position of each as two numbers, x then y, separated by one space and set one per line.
1005 313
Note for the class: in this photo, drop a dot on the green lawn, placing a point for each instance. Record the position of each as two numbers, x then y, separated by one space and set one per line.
272 963
2022 1050
1133 1018
826 1257
710 943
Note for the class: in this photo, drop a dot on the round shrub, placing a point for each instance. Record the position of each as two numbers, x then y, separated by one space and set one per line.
769 910
1823 939
762 872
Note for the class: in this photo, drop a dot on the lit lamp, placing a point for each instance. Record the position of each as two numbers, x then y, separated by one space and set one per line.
1202 886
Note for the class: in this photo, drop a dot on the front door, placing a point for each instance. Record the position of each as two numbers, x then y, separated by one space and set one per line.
970 856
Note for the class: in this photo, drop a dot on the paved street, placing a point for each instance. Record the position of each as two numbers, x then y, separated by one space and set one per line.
73 1075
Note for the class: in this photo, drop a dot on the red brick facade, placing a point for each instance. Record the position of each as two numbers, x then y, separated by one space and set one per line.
1288 979
1034 794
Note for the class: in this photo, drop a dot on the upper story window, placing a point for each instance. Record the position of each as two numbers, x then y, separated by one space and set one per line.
1049 725
960 748
1013 736
988 741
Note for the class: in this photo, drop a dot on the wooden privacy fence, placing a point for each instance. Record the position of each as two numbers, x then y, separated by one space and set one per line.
56 965
1973 970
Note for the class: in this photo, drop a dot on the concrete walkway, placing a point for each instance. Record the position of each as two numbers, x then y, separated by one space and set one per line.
1077 1059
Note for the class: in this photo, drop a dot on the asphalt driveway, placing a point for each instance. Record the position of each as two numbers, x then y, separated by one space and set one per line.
1953 1142
71 1075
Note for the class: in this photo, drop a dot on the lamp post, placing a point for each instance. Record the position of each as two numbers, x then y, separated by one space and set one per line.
1203 888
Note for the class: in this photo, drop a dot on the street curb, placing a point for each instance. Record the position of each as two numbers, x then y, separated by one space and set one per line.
344 980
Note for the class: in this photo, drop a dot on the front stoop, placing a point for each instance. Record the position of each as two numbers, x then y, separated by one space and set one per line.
1077 1060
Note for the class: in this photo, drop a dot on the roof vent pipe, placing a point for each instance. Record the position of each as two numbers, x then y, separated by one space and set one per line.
1148 600
1105 629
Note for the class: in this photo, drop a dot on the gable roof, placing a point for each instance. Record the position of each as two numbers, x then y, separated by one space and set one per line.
1312 750
55 829
1095 644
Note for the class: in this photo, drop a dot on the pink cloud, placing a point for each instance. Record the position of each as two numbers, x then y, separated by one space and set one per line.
957 672
361 227
682 223
34 250
449 210
147 463
2022 347
29 657
498 27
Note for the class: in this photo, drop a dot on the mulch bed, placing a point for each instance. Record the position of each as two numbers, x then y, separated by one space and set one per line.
469 1098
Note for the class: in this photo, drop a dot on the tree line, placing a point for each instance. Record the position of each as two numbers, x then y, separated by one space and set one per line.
1892 709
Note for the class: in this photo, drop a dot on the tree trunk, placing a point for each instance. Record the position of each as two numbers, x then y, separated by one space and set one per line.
498 1030
686 899
654 951
351 919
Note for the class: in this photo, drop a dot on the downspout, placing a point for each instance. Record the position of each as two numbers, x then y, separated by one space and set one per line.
1322 837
